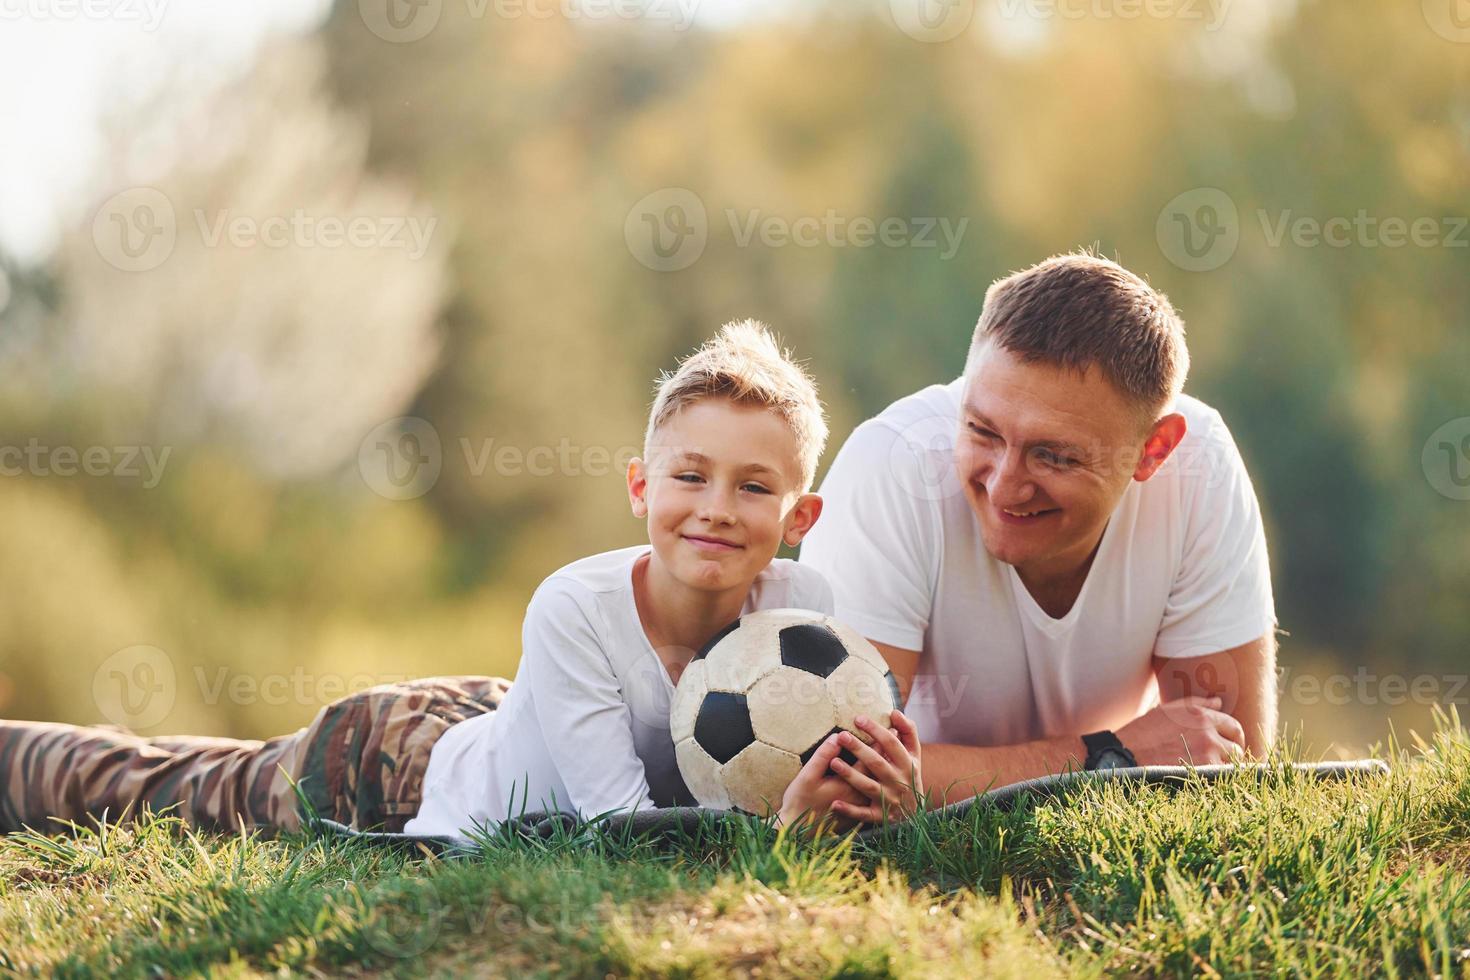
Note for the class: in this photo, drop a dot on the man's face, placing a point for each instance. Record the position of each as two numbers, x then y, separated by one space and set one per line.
721 490
1044 455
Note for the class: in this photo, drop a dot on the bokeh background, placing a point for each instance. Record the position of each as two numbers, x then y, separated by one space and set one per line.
326 329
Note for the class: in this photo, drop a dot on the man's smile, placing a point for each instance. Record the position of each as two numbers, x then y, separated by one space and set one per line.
1028 515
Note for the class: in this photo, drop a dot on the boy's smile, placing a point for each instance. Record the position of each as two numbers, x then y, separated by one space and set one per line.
711 544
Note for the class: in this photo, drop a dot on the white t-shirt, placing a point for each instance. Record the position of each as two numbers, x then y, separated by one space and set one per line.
585 726
1182 571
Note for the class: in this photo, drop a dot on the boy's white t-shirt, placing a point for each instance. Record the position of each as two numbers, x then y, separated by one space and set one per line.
585 726
1182 571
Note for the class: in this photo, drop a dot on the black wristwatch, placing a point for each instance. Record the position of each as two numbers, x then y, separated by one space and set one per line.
1104 751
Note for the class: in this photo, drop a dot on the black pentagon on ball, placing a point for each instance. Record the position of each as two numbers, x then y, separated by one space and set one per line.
722 728
893 688
704 650
813 648
843 754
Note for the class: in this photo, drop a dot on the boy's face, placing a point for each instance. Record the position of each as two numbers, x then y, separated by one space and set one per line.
721 492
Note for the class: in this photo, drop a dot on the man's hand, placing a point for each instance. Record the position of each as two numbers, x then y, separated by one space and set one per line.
1243 677
1189 730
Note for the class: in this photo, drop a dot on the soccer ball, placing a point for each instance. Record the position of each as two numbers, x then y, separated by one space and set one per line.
753 706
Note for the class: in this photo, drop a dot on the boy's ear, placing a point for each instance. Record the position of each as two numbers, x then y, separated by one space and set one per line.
638 487
803 517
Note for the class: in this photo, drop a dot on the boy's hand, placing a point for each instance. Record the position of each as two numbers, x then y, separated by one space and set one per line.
815 792
890 781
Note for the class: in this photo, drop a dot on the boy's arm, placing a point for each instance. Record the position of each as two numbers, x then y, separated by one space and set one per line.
585 720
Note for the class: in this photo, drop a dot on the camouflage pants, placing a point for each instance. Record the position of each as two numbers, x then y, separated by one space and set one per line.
361 762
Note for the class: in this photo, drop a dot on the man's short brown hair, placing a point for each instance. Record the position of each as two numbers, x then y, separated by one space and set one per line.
1081 310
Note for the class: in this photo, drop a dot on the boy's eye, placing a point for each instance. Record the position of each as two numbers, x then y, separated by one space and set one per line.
983 433
688 477
755 488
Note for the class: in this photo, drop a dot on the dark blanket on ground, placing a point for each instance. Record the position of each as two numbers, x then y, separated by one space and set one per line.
682 823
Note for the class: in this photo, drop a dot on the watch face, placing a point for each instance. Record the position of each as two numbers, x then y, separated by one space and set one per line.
1112 759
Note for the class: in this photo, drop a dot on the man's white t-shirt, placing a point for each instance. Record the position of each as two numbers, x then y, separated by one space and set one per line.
585 726
1182 571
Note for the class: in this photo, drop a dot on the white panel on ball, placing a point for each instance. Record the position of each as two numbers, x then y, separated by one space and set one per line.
858 645
790 709
759 773
701 774
858 688
688 694
749 653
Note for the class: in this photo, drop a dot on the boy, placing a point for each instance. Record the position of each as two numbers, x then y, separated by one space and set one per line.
731 452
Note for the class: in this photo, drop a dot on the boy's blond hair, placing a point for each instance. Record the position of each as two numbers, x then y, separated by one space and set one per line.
745 364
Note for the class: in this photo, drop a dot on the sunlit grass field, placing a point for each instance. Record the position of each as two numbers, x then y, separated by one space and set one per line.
1278 875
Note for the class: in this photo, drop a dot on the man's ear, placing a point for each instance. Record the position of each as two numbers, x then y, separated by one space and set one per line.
1165 436
802 518
638 487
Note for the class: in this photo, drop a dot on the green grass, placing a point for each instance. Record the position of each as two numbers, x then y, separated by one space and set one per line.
1272 876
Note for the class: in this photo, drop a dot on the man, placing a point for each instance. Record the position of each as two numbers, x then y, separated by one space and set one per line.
1059 554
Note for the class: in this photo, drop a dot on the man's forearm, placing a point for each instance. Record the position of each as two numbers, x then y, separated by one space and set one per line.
956 772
